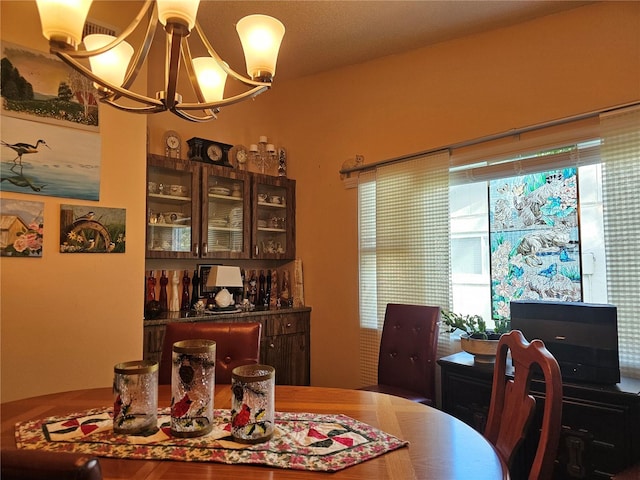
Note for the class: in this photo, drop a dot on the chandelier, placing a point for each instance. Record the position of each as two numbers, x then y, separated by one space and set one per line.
114 67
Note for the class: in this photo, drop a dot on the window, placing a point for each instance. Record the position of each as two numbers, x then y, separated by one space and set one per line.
609 173
470 250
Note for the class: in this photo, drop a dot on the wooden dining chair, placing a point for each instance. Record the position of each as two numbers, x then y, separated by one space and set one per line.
236 344
43 465
407 356
512 407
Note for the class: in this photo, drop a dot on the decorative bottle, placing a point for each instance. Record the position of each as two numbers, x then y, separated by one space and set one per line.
267 291
163 291
184 305
195 283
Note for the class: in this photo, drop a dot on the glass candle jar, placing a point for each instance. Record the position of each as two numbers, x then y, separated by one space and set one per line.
135 397
192 387
252 403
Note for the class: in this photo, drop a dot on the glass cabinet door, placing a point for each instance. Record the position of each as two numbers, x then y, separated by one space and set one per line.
172 199
225 215
274 218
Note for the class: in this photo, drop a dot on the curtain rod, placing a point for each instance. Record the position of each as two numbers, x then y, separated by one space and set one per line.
489 138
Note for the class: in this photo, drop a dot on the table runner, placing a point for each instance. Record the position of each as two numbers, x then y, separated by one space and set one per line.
301 441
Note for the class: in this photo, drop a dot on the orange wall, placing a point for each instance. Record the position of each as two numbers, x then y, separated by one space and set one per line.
67 319
577 61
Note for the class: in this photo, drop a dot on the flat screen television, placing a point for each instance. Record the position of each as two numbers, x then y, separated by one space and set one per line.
583 337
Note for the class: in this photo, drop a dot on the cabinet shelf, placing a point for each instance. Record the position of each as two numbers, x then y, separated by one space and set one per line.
168 225
169 198
224 229
278 230
271 205
225 197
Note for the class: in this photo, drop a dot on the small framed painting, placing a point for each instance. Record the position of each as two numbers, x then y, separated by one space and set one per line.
89 229
21 228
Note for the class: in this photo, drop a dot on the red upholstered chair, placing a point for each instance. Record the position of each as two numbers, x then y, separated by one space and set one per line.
407 357
44 465
236 344
512 408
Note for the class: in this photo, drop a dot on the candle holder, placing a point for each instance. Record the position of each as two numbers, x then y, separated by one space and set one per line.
192 387
263 154
135 402
252 403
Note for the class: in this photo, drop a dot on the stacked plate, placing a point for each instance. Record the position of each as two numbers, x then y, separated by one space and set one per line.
217 222
235 217
220 191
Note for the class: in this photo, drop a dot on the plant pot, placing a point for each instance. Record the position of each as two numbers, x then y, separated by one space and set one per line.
484 351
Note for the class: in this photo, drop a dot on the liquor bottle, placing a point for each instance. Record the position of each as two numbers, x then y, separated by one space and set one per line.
253 288
195 283
261 280
151 287
184 305
267 291
164 280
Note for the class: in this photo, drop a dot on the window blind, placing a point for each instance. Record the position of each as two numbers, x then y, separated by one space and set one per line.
404 244
620 153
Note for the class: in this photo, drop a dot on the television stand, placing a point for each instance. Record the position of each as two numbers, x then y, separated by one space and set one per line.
600 423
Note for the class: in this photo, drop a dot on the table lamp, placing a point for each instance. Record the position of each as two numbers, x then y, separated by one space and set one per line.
223 276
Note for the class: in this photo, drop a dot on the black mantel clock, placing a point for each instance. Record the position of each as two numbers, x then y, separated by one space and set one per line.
209 151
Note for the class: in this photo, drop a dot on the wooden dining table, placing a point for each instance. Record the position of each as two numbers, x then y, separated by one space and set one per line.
441 447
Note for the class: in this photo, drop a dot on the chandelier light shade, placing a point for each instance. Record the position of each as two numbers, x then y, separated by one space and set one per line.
115 64
178 11
261 37
64 20
111 65
211 78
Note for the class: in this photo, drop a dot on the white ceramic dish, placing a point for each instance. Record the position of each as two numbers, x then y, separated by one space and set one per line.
220 191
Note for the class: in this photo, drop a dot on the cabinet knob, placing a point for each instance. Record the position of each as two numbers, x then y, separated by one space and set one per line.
195 250
204 249
289 325
271 345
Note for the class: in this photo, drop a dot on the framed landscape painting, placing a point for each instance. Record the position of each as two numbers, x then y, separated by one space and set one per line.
535 239
89 229
21 228
39 86
64 162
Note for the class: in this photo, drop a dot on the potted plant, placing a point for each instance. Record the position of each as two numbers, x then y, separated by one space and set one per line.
476 339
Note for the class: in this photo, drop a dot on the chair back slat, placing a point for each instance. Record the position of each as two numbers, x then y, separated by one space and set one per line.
512 407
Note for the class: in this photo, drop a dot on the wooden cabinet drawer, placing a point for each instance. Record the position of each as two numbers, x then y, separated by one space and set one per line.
284 324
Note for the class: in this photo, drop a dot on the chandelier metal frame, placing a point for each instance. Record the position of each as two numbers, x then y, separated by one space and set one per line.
177 46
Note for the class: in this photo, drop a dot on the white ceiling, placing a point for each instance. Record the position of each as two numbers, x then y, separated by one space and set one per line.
326 34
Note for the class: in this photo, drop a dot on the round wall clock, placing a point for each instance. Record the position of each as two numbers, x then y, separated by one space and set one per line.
214 152
172 144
